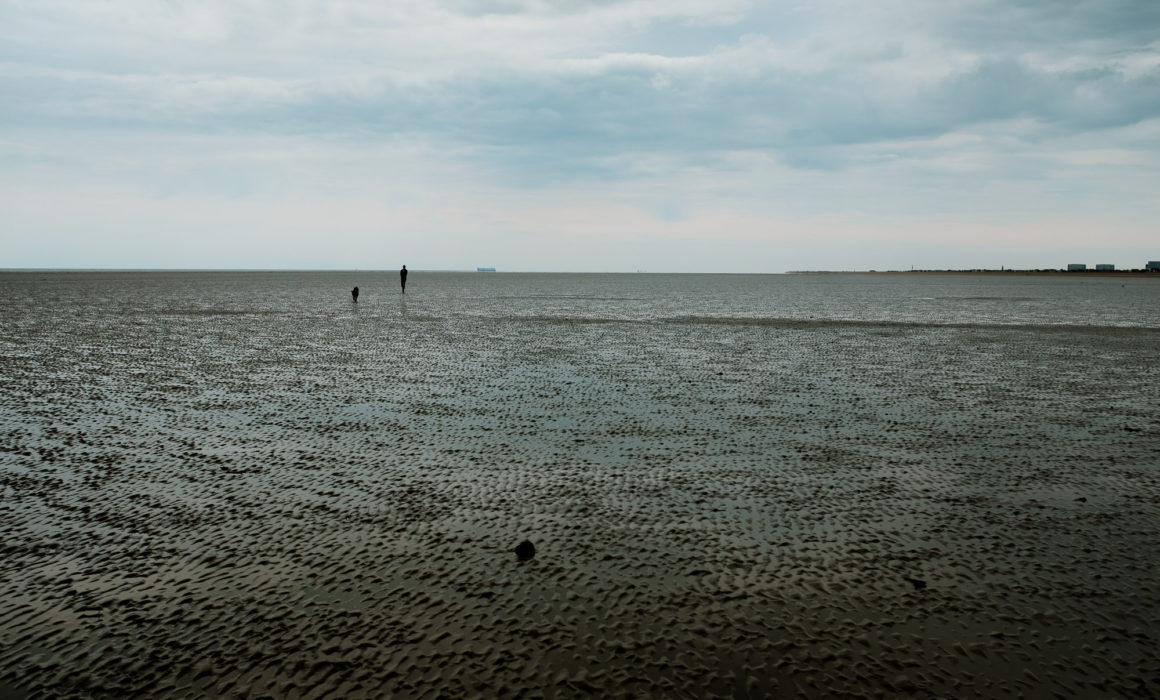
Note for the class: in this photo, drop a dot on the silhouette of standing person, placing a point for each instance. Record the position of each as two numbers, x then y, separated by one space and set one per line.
354 294
403 278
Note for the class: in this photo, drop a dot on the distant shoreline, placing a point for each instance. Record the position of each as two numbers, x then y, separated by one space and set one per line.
1035 273
1075 273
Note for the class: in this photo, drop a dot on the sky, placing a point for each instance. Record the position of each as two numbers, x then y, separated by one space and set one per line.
587 135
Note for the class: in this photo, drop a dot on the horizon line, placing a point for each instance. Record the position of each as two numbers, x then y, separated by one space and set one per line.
353 269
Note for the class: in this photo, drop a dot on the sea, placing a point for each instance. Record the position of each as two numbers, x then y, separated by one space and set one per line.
939 299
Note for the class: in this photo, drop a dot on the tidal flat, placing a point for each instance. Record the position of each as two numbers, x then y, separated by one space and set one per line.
218 485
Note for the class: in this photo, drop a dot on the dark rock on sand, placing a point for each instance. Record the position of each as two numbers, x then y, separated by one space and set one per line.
525 550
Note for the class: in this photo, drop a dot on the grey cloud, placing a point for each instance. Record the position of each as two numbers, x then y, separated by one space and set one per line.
479 8
1018 25
544 118
578 116
1072 100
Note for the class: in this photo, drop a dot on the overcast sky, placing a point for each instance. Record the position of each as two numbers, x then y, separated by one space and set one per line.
602 135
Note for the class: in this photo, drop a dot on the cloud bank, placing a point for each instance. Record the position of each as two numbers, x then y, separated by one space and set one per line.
444 131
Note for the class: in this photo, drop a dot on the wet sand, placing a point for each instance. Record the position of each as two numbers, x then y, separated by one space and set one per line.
227 504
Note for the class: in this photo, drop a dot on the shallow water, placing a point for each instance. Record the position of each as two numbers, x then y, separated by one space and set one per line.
915 299
242 483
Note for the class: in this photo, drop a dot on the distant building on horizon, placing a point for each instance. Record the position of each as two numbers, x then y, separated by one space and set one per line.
1105 266
1076 267
1153 265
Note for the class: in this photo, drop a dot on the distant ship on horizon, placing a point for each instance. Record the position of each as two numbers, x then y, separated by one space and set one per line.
485 269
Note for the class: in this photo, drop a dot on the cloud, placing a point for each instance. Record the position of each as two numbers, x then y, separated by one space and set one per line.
752 92
1053 27
655 114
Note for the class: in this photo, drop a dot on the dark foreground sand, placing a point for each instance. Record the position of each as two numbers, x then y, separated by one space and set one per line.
243 506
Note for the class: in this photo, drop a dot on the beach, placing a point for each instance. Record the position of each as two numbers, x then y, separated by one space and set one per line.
210 489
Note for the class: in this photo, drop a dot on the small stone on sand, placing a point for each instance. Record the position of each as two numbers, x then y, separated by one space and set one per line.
525 550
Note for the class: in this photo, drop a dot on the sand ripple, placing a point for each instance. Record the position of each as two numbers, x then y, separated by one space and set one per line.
271 506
